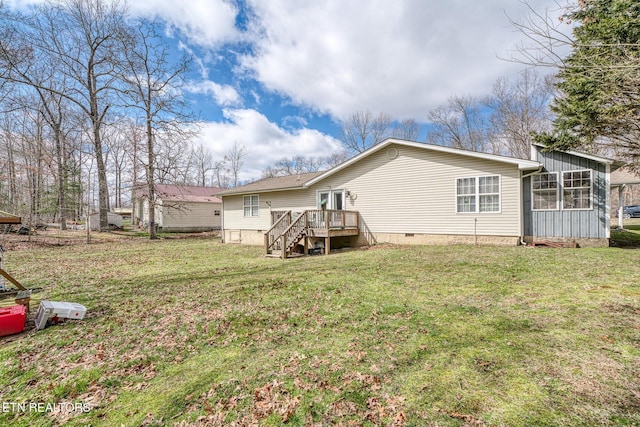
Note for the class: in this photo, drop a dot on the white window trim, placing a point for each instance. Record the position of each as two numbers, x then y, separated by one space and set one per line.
331 193
558 192
591 175
477 195
251 206
318 192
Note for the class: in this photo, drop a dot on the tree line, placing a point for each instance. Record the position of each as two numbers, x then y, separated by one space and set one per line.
91 106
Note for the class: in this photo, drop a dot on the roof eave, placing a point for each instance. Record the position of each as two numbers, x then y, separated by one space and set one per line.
264 190
522 164
593 157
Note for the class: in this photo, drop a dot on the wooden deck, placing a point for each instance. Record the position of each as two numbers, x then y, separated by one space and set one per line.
291 230
333 232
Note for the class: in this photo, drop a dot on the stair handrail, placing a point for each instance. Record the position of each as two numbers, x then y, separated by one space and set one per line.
294 230
272 235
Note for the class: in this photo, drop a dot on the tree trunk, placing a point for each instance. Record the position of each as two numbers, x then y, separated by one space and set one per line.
62 196
151 181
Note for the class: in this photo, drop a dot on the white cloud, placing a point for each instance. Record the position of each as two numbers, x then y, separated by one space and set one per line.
207 23
402 57
265 141
223 95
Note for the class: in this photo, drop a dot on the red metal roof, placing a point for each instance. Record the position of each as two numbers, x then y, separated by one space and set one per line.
183 193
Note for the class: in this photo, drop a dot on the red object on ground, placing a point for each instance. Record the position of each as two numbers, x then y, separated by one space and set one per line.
12 319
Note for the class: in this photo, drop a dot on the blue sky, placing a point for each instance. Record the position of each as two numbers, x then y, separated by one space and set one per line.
276 76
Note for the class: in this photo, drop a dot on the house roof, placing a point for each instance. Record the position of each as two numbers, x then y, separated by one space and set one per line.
522 164
288 182
615 164
183 193
624 176
305 180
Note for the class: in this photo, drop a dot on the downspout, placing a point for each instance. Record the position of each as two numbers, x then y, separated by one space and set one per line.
621 205
522 177
222 219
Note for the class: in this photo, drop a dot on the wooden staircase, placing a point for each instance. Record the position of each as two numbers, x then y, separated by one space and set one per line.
289 252
290 229
283 236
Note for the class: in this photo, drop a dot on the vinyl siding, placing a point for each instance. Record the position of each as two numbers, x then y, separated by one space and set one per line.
413 192
190 215
295 200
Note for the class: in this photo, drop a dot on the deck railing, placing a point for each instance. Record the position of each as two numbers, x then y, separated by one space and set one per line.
272 236
331 219
292 234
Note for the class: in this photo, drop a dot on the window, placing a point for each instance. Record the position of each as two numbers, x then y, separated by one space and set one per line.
466 192
251 205
576 189
544 191
478 194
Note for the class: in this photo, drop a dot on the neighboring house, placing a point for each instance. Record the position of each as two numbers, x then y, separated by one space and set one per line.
409 192
180 208
125 213
627 182
114 220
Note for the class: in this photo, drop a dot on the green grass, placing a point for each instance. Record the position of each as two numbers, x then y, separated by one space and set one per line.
193 332
627 237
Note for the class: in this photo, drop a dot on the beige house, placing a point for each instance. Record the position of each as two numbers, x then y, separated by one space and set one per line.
180 208
397 191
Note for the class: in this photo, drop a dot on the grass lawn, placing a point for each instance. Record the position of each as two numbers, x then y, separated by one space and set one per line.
629 236
193 332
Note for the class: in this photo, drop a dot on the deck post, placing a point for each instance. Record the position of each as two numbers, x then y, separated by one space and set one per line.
327 245
283 242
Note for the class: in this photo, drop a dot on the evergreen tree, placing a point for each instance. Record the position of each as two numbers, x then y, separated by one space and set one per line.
598 85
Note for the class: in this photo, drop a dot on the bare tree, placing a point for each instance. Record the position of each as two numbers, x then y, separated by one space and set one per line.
300 164
236 156
203 159
120 143
518 110
153 85
293 165
363 130
407 129
80 41
221 173
461 123
9 163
